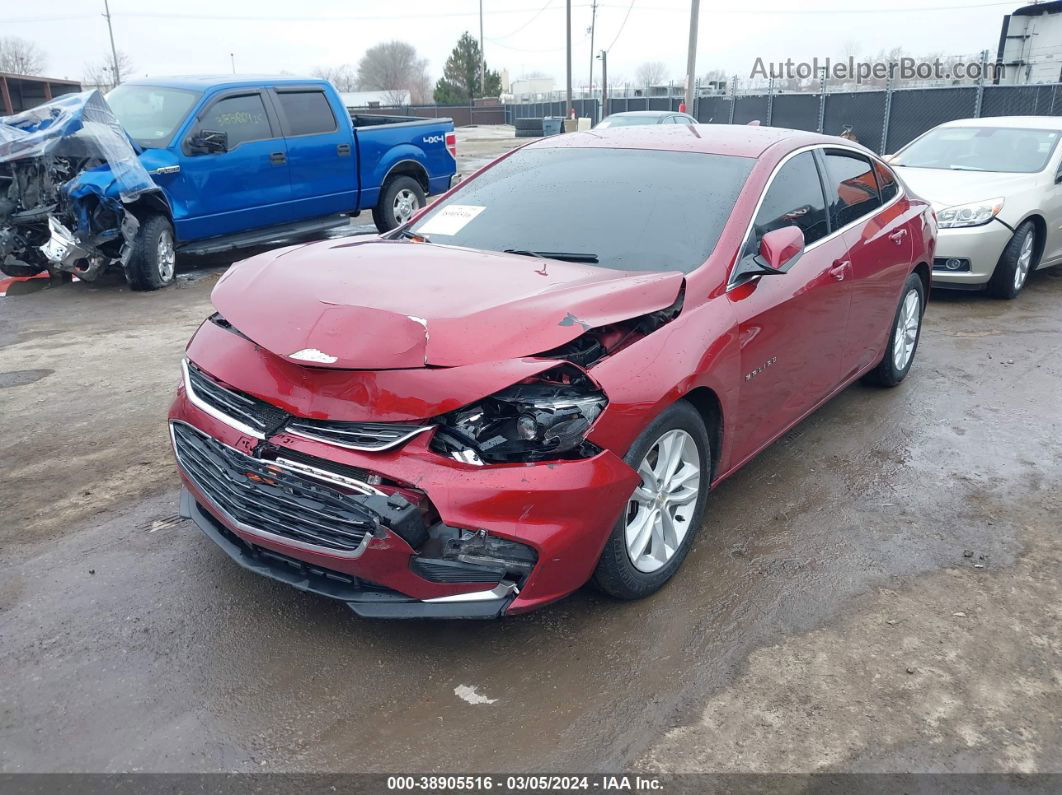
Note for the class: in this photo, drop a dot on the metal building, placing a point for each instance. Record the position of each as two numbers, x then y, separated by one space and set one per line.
20 92
1030 45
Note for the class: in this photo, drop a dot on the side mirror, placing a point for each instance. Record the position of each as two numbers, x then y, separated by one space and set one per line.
207 142
779 248
1058 176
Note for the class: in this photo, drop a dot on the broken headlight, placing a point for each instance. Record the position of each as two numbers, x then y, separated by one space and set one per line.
541 419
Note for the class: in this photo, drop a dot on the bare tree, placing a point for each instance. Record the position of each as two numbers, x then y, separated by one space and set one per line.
101 74
393 67
21 57
651 73
342 77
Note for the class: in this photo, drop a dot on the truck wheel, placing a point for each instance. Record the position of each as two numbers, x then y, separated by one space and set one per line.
153 262
20 269
401 197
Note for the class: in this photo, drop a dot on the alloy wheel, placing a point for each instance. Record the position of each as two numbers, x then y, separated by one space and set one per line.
167 257
405 205
661 509
1021 272
906 334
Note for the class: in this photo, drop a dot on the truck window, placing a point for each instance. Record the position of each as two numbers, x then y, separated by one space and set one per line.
243 118
308 112
150 114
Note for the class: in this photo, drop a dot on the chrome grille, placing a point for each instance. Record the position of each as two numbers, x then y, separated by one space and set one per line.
254 414
356 435
262 496
260 419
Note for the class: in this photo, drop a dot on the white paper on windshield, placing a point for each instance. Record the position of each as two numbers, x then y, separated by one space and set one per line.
450 219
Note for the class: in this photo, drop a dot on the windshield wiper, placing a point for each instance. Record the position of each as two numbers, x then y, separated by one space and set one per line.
411 235
566 256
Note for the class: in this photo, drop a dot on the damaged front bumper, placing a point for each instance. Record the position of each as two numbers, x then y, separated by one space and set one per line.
364 599
458 554
68 175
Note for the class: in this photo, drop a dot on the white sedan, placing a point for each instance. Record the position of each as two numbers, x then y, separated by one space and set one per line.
994 184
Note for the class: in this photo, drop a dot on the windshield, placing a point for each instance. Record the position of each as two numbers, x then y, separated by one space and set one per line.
150 114
980 149
629 209
627 121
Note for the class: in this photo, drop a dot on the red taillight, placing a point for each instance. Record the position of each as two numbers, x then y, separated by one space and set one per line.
451 144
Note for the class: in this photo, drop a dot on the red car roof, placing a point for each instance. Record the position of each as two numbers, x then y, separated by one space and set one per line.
716 139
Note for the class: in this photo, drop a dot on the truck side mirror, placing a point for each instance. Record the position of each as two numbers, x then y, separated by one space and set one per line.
207 142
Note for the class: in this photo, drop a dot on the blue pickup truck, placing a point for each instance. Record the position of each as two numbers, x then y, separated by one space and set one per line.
200 165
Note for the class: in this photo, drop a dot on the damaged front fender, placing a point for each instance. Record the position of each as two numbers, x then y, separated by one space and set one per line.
68 173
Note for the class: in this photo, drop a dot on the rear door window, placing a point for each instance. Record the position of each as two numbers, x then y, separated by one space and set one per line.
852 187
886 182
242 117
794 198
308 112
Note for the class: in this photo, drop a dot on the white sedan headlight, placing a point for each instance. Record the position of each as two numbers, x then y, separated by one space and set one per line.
972 214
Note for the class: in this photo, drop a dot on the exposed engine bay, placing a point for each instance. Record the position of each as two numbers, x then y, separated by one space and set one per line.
68 175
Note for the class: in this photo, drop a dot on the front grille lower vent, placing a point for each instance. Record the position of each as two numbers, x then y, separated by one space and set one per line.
262 496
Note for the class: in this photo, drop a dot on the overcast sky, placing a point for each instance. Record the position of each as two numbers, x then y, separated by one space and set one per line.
196 36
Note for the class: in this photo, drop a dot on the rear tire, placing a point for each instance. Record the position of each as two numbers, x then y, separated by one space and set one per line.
906 330
20 269
152 264
633 566
1015 264
399 200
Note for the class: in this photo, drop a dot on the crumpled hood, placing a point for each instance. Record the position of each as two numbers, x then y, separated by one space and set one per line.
379 305
947 187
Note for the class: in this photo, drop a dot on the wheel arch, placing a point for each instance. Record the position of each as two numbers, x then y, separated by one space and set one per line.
707 403
923 272
151 203
1040 225
407 168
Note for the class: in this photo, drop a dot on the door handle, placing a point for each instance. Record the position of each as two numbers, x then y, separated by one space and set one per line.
840 269
343 150
898 236
278 158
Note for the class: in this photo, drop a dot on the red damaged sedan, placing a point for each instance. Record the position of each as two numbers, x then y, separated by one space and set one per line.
537 381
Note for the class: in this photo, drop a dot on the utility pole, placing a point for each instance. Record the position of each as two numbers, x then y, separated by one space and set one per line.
593 20
604 83
568 33
232 57
691 54
114 52
482 57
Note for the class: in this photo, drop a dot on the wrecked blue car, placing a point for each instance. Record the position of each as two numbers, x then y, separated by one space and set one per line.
68 177
199 165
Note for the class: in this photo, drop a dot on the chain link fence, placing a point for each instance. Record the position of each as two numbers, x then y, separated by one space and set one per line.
882 120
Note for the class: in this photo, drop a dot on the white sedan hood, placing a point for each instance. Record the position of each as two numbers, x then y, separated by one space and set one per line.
947 187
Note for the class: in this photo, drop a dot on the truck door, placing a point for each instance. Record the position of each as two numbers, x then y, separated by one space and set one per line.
236 181
321 155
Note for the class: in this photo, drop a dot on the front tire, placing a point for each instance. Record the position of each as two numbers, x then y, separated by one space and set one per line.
1015 264
903 339
652 537
153 261
400 199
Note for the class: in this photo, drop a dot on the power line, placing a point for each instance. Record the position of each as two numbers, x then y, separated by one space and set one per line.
526 24
622 25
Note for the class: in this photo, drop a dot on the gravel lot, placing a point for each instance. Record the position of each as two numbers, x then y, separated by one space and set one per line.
878 591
